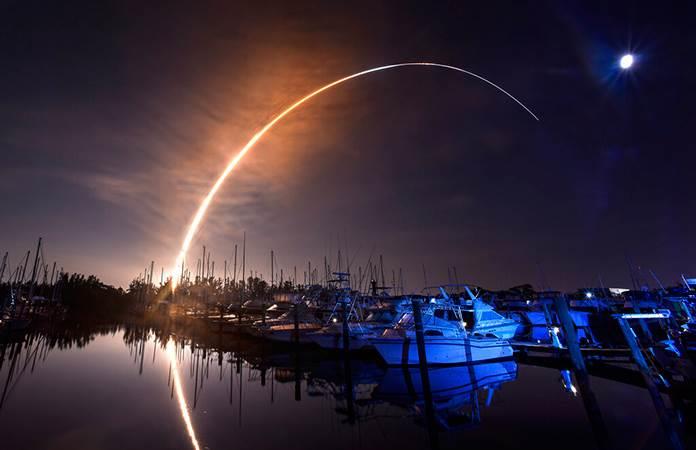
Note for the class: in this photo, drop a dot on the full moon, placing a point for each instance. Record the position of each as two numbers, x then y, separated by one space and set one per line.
626 61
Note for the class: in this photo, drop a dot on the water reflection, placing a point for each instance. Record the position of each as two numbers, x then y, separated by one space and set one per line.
178 390
454 391
270 396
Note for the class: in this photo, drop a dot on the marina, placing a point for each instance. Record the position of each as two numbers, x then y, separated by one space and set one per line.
322 225
249 394
440 359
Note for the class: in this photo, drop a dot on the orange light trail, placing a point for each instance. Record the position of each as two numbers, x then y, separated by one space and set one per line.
203 208
181 399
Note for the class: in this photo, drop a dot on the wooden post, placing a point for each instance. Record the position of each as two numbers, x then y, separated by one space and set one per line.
425 376
588 398
570 334
662 412
420 338
346 328
296 318
550 326
348 372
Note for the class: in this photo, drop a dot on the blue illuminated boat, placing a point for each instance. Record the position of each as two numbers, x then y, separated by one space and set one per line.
378 319
447 340
482 319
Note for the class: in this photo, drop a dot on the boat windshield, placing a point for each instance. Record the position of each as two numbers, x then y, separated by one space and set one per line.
406 320
468 318
381 316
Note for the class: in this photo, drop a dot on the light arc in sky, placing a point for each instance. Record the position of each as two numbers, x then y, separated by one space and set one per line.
203 208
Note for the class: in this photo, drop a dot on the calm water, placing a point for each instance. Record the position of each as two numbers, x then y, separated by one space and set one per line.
127 388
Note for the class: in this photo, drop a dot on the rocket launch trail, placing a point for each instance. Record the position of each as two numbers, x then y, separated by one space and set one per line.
205 204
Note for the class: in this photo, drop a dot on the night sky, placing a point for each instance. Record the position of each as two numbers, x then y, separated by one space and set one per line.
116 117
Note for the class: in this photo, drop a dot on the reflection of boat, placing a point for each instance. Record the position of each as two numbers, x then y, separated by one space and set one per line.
14 324
454 389
446 340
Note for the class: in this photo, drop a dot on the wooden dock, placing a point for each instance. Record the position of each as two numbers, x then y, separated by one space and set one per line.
591 353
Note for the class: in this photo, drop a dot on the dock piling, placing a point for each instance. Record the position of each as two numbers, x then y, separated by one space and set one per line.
346 329
588 398
663 413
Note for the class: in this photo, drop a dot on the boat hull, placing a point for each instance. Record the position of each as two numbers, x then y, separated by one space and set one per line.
288 333
441 350
333 341
502 331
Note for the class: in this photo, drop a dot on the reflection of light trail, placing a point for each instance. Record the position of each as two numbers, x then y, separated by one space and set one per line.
171 353
200 213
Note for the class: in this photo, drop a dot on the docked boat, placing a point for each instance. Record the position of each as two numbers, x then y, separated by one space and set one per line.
378 319
292 326
482 319
447 340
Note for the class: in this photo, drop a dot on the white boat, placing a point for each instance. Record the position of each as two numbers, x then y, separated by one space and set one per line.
446 340
283 328
360 332
286 332
482 319
331 337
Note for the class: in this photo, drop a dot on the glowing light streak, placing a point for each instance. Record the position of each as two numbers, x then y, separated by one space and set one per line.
181 399
200 213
